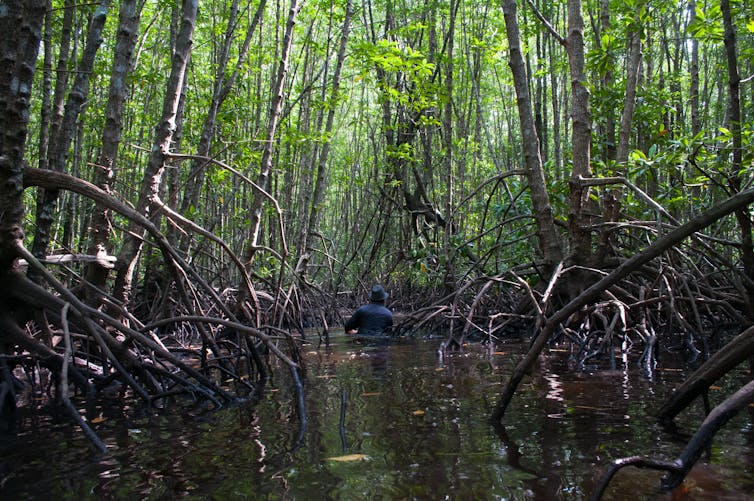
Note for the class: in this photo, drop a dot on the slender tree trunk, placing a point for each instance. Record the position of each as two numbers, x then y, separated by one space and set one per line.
448 157
320 180
222 88
557 150
45 113
629 103
607 82
549 244
734 124
581 142
263 177
148 195
696 125
61 142
61 82
100 228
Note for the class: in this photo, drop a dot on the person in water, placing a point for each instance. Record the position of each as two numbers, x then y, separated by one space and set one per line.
372 319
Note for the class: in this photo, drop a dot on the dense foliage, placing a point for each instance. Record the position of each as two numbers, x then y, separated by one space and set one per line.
428 208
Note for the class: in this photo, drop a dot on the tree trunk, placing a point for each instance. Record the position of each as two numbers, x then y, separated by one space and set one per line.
99 230
581 143
262 180
549 244
148 195
632 81
451 184
45 112
21 25
733 119
609 147
320 178
696 125
61 142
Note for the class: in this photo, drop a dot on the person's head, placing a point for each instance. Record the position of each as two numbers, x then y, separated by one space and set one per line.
378 294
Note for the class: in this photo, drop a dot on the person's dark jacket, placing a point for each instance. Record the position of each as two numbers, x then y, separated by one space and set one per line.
372 319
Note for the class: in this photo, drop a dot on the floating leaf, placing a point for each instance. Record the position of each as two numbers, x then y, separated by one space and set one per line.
439 369
371 393
99 419
500 353
418 412
713 387
349 457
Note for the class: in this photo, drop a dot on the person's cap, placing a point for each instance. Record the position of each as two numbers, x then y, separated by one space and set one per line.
378 293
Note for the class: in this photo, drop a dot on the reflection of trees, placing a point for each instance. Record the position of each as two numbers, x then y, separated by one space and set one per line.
513 453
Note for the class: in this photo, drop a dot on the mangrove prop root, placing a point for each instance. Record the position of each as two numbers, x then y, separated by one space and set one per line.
638 260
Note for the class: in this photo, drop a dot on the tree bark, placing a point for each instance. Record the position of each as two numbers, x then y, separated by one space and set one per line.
153 173
581 142
549 244
21 27
100 227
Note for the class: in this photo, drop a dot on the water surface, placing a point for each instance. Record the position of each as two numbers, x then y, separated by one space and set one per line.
392 422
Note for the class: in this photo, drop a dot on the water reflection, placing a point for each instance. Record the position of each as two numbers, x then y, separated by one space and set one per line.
406 425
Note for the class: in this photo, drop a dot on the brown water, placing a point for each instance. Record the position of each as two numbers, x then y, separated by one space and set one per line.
394 422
